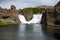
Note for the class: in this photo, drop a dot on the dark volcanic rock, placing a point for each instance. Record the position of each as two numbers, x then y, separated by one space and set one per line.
51 16
47 17
44 18
57 13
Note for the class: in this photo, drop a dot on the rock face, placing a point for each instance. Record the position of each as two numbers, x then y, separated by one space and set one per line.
57 13
12 14
9 14
51 16
27 12
28 15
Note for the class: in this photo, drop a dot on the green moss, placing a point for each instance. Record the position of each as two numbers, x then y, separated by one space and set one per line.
1 23
33 10
5 23
9 22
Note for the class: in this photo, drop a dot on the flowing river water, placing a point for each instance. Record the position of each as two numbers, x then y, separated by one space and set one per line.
24 32
27 31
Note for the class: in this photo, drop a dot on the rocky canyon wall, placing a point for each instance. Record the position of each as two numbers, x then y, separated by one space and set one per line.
12 14
51 16
9 14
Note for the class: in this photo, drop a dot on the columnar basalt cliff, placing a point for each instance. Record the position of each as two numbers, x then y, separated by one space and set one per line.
51 16
9 14
57 13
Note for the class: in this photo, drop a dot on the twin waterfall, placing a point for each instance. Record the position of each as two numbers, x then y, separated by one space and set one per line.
36 19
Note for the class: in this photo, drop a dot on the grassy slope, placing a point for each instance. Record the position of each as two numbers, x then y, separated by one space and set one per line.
6 22
33 10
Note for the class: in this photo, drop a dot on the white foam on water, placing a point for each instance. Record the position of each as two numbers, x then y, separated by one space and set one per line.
36 19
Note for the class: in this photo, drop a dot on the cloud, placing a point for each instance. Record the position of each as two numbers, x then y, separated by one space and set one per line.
25 3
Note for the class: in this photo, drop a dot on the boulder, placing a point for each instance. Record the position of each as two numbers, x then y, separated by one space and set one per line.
28 15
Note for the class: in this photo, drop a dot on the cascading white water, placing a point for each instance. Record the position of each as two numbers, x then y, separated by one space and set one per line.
36 19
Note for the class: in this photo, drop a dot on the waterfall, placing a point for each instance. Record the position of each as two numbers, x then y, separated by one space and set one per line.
36 18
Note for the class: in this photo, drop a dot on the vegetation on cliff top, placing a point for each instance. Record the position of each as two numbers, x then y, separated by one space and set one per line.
33 10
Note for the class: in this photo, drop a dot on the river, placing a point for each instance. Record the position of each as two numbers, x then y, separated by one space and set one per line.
28 30
24 32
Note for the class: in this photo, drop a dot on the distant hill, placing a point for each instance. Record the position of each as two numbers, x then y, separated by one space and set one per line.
43 6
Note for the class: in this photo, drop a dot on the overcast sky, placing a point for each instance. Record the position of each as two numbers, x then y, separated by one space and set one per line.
26 3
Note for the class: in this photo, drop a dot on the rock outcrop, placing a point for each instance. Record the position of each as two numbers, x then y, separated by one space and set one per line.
28 15
51 16
27 12
57 13
12 14
9 14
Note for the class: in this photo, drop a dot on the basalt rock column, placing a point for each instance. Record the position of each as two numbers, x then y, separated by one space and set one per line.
51 16
57 13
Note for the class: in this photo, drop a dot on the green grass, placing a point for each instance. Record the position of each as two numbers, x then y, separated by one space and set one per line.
33 10
5 23
1 23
